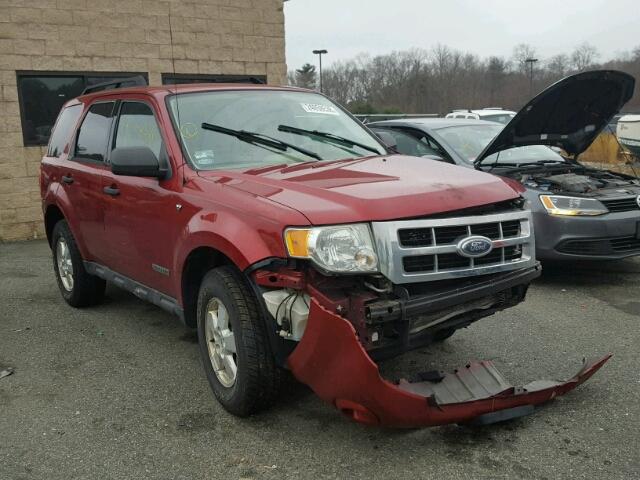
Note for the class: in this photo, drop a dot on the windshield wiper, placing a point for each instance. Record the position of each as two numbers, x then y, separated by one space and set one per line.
260 139
522 164
337 139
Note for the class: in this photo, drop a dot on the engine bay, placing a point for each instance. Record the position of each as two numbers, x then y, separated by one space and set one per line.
575 179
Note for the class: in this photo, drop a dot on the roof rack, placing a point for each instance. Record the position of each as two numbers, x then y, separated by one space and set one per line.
137 81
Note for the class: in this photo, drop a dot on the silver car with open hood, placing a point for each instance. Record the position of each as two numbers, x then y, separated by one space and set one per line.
578 211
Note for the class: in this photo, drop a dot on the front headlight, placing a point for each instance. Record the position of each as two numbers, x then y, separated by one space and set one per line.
559 205
339 248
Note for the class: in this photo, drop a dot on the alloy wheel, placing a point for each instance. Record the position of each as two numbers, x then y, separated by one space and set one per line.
221 342
65 264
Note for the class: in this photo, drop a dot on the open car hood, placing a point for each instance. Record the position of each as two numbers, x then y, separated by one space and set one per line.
569 114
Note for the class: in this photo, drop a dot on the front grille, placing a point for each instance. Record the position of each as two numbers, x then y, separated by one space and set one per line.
445 235
425 237
600 246
427 249
447 261
417 237
625 244
622 204
419 263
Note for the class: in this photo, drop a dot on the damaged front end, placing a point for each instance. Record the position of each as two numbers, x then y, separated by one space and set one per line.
329 328
335 328
331 360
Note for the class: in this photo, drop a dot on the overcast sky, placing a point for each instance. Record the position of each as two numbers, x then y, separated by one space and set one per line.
485 27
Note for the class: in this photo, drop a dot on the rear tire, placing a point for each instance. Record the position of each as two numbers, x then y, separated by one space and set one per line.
442 335
77 286
234 346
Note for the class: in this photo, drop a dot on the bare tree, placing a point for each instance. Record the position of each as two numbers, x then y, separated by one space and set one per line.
584 56
521 53
441 79
558 65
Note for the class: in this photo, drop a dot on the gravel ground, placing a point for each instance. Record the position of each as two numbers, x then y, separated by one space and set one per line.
118 391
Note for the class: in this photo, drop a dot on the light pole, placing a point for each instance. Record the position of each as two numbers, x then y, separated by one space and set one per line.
531 61
320 53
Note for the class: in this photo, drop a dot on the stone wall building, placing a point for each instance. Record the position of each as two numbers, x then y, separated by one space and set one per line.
50 50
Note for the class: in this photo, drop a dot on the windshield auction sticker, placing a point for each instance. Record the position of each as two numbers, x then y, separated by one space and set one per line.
317 108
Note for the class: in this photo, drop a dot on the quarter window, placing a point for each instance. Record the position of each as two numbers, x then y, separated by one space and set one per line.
93 135
62 131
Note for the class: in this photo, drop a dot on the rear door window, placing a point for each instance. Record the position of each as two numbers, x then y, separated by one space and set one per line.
62 131
93 136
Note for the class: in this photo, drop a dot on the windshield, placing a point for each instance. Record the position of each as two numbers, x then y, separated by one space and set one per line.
470 140
262 112
408 144
499 117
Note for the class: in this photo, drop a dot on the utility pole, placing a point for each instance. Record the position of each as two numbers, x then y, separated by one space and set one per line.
320 53
531 61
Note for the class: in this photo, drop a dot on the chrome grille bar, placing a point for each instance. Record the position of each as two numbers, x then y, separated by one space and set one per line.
520 249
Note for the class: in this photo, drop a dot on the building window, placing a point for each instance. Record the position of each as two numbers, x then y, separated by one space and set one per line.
174 78
42 94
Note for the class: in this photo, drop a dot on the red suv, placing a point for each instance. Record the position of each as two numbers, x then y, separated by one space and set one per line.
284 231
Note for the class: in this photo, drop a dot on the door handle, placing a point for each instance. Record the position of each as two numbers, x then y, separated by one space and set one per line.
112 190
68 179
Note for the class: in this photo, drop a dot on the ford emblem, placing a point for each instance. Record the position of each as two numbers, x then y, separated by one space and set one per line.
638 200
474 246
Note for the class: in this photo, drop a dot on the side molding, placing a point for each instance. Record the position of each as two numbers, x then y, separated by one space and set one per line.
138 289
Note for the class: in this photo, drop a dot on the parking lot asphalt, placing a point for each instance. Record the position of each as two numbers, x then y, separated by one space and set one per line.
118 391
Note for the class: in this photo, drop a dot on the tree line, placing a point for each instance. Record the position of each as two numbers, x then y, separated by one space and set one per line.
441 79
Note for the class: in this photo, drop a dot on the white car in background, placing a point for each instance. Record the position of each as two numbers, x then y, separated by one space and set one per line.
494 114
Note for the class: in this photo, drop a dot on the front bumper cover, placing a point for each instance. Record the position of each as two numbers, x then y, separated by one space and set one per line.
554 232
331 360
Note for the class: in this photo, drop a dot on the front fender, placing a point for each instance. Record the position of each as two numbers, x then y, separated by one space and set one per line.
241 241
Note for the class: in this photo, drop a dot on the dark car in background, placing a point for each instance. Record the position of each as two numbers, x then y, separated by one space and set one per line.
578 211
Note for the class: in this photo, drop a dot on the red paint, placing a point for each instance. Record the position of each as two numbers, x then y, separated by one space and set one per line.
333 363
374 188
241 214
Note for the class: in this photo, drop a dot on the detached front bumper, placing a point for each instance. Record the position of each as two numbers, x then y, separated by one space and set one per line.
331 360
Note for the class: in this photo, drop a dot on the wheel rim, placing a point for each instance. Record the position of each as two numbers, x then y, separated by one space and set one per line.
221 343
65 264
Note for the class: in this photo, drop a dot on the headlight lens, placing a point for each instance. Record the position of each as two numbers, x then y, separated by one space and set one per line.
559 205
340 248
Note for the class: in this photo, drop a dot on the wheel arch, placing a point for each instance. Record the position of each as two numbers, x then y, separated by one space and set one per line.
213 239
196 265
53 214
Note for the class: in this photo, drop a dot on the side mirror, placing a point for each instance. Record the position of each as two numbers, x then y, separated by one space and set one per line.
388 140
136 162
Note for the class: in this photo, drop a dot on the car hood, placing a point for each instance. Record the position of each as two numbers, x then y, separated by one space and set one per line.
569 114
371 188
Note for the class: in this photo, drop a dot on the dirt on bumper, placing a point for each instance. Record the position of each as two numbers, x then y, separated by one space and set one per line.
330 359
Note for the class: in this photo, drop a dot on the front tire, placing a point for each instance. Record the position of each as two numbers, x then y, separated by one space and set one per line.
234 347
77 286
